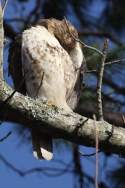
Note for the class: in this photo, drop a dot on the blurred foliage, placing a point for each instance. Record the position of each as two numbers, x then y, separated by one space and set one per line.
117 176
56 9
114 14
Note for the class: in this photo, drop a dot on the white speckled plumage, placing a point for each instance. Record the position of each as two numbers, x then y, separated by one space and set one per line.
50 71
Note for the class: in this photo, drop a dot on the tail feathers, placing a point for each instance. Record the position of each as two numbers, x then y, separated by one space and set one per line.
42 146
46 147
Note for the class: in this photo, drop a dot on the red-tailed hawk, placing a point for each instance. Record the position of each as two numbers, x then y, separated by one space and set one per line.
51 65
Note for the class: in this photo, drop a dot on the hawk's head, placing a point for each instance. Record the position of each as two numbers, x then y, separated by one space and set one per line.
62 30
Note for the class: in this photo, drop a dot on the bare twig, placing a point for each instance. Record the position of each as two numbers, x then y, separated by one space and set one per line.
89 154
107 63
4 6
99 81
91 71
97 150
83 44
5 137
115 61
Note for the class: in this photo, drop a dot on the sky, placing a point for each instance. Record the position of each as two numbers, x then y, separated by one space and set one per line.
17 151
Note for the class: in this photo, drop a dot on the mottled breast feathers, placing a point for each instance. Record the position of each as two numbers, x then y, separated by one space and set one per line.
48 62
49 70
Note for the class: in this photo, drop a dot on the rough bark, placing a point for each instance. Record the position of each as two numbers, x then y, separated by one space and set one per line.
48 118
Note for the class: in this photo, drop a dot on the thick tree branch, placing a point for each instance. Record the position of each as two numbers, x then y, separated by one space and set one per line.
48 118
54 121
